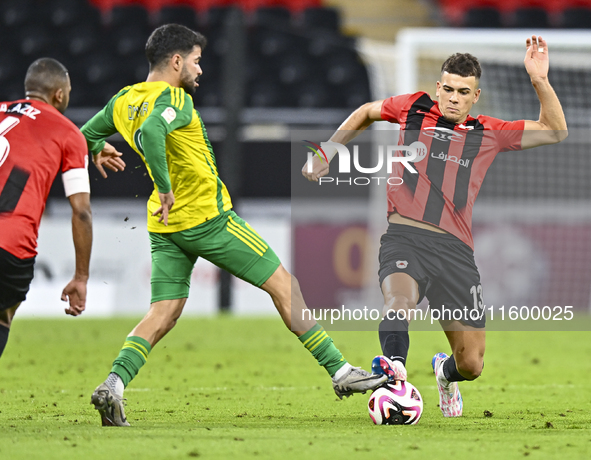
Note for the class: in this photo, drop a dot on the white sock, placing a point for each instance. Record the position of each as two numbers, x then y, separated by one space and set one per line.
342 371
115 383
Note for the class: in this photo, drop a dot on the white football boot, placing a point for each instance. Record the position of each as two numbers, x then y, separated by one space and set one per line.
450 399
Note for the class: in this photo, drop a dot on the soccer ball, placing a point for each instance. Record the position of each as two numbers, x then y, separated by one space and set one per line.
395 403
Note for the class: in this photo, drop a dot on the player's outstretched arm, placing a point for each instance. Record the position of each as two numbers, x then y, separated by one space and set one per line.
358 121
551 126
75 290
108 158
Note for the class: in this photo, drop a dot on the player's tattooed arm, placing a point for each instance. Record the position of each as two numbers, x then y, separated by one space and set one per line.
551 126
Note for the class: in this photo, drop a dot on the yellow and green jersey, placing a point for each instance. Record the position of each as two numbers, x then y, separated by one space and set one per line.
159 122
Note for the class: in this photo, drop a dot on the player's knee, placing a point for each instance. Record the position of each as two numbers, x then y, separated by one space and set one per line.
471 368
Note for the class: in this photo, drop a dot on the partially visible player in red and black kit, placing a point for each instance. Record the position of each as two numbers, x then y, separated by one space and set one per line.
428 248
36 142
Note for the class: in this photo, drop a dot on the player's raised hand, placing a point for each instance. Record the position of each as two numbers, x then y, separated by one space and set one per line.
315 168
75 293
166 202
536 58
108 158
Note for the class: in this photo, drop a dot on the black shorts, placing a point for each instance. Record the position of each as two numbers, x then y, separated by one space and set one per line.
441 264
15 278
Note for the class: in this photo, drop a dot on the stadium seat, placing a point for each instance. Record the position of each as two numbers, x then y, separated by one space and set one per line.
320 18
272 18
576 18
63 14
129 15
8 67
342 72
178 14
271 43
250 6
209 95
105 91
100 67
357 93
216 46
266 94
128 41
214 18
485 17
80 40
211 72
12 91
535 18
312 94
132 69
16 13
322 44
293 69
297 6
34 41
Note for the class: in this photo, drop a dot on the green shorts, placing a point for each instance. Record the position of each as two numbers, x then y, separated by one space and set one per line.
226 241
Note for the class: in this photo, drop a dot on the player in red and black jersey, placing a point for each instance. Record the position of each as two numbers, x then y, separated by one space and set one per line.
428 248
36 142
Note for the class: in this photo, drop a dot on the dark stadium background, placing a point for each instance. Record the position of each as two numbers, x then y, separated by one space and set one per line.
293 65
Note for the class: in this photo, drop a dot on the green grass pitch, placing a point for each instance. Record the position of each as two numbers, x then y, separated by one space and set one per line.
232 387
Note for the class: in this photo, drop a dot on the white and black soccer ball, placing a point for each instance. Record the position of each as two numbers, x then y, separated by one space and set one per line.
396 403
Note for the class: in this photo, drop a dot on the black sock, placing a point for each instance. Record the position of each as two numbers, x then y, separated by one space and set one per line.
394 338
450 370
3 337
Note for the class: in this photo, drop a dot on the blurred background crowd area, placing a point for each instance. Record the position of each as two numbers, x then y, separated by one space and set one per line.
276 68
300 53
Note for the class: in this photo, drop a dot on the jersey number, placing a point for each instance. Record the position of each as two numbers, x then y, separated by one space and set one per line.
17 179
476 292
137 139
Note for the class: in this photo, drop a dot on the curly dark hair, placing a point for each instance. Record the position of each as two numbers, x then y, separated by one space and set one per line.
462 64
170 39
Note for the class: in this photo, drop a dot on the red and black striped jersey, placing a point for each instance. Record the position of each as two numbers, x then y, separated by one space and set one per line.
452 166
36 142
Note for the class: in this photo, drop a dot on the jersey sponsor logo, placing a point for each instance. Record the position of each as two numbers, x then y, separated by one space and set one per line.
445 157
463 126
402 264
169 115
21 108
421 150
442 134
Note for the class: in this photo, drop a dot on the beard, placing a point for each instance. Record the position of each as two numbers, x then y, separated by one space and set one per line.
187 81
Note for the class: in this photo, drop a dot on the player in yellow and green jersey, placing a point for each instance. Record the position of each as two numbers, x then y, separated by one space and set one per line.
190 215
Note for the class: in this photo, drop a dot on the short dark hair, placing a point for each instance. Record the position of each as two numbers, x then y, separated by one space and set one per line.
170 39
45 75
462 64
